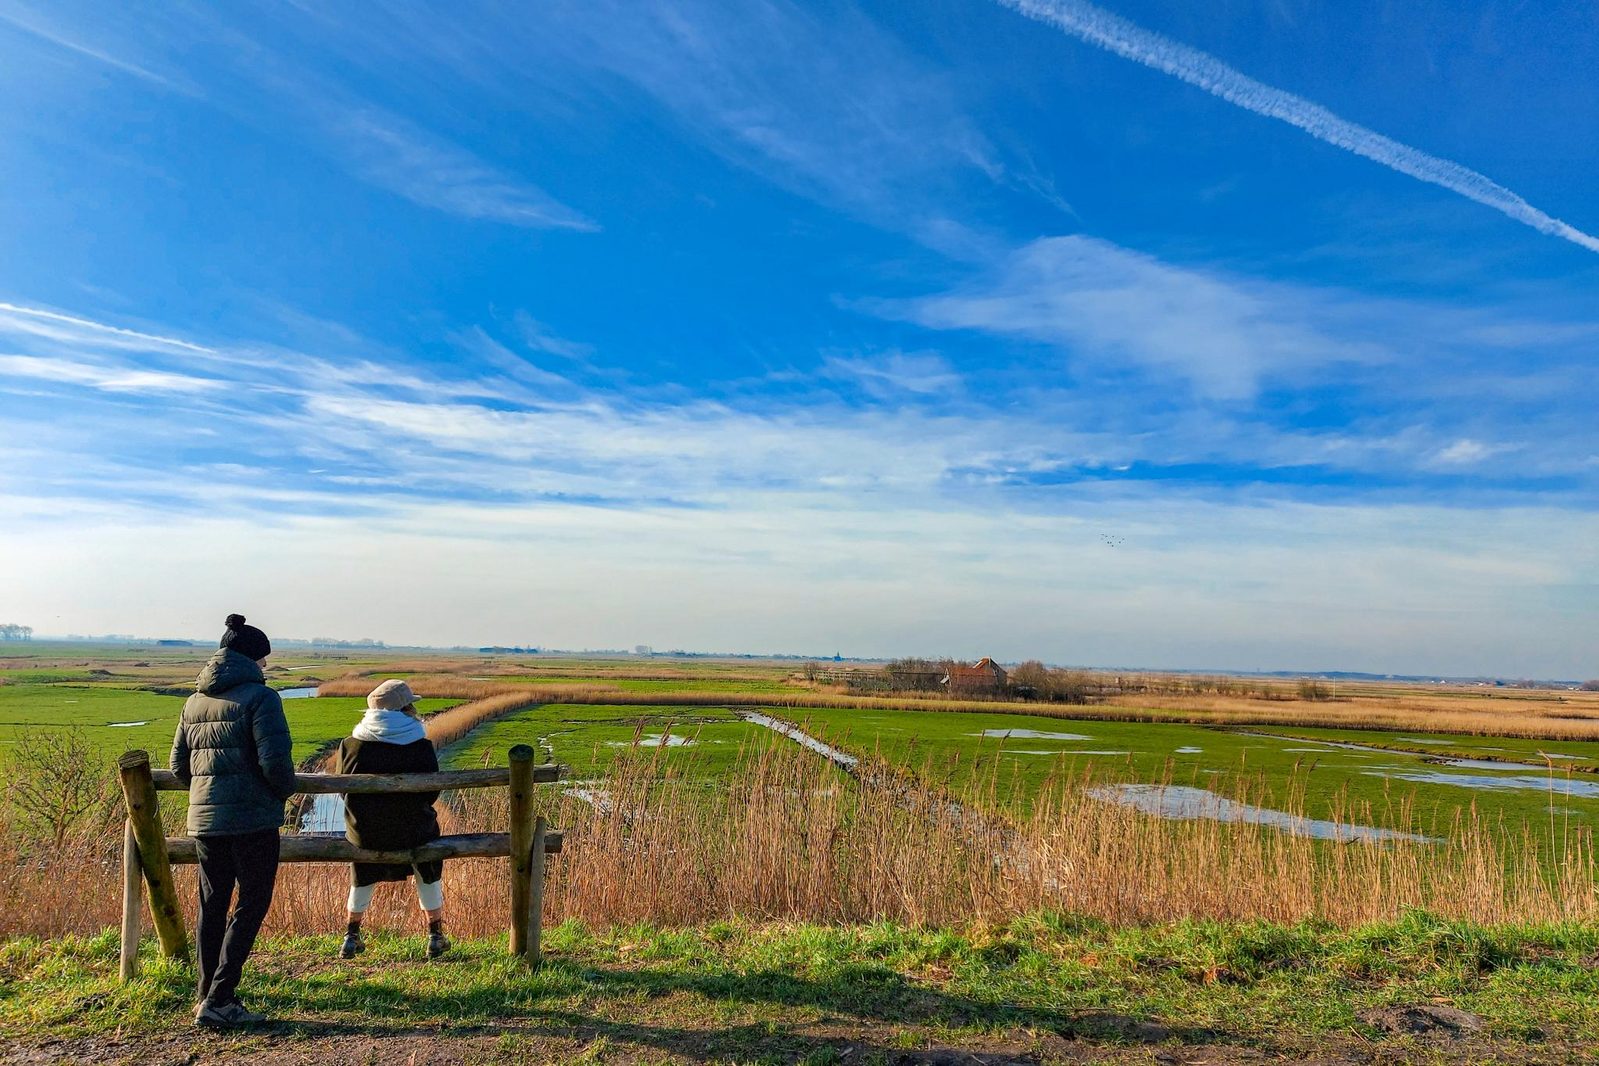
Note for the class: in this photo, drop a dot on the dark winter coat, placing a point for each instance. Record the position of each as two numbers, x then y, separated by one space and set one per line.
232 749
392 822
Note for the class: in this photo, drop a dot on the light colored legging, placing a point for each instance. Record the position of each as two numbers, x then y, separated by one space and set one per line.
430 894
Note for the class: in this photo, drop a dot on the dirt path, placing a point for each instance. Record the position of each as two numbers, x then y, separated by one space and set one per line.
572 1038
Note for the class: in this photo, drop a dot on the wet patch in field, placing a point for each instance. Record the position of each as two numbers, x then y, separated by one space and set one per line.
1188 804
655 740
1489 764
1510 783
805 740
1030 734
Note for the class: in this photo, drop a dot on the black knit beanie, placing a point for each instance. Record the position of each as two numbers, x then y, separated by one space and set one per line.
246 640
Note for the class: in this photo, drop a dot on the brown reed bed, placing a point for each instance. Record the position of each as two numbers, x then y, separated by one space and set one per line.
786 837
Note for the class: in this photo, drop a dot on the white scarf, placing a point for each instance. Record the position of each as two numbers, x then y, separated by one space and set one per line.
388 727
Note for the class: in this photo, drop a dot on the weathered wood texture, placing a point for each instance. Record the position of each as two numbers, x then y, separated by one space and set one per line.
144 815
148 851
307 848
521 845
535 935
345 784
129 968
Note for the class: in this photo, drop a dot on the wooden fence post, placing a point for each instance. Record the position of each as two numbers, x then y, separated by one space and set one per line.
521 758
144 818
535 940
130 903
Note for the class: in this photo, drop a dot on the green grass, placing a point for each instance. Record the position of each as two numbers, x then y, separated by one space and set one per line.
587 737
951 748
1578 755
1367 787
736 992
312 722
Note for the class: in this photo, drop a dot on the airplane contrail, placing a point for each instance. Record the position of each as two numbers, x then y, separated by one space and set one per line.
1202 70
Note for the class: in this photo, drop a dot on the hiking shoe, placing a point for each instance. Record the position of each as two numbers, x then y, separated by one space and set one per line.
438 944
227 1015
353 946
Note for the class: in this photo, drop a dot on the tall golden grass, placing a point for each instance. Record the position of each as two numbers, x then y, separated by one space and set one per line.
788 837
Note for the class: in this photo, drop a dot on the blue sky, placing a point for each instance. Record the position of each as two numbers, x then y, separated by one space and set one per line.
1252 334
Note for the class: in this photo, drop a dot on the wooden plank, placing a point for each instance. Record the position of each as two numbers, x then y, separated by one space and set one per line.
535 938
443 781
521 845
144 815
132 900
307 848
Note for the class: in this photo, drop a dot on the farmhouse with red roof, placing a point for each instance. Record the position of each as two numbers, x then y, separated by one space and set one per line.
985 677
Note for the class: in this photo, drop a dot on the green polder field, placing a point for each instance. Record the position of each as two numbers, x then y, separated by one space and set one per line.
697 742
116 719
1417 780
1365 775
1011 757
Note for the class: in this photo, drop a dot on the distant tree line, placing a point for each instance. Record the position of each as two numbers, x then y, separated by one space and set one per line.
1029 681
15 632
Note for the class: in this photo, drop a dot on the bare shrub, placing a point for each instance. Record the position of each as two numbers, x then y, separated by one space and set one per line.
57 785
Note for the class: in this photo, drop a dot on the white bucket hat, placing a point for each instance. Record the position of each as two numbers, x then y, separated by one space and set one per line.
392 695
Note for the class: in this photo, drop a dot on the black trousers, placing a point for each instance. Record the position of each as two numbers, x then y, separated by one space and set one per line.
249 860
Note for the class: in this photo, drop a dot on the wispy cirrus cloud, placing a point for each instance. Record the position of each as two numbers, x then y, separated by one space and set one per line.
1104 305
34 23
893 375
45 322
108 379
389 152
373 143
1117 35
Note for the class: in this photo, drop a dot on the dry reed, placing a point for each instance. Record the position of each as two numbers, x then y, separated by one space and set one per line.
787 837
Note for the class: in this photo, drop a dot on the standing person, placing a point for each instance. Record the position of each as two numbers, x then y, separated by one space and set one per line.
390 739
232 749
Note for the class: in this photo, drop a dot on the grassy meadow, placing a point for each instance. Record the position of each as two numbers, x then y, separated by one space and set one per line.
114 720
1039 988
702 742
727 895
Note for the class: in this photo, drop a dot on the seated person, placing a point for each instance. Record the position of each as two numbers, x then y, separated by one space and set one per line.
390 739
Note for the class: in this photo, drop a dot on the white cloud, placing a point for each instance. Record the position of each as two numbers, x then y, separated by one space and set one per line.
647 517
1466 452
107 379
1205 585
1101 303
892 375
30 21
387 151
1130 41
58 326
540 338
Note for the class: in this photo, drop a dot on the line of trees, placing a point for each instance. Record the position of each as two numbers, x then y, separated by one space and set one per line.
1029 681
9 631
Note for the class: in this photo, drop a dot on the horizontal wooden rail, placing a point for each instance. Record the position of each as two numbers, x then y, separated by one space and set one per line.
442 781
306 848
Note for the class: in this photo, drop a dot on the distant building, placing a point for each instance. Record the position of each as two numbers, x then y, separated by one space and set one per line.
643 649
175 643
984 678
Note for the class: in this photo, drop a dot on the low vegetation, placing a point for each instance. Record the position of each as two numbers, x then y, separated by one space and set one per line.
968 884
1045 987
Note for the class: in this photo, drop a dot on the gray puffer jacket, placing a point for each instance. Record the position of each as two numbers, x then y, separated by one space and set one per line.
232 749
